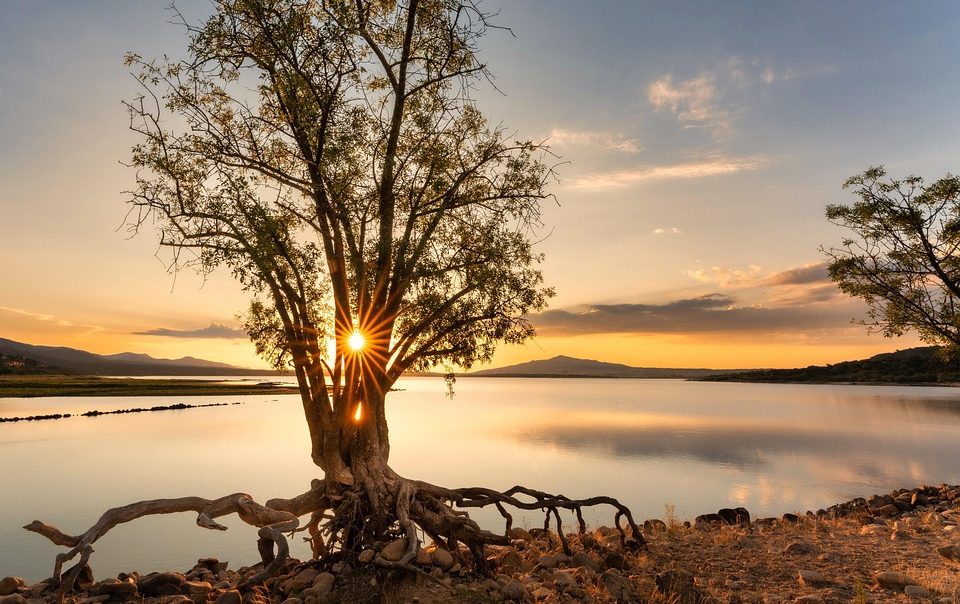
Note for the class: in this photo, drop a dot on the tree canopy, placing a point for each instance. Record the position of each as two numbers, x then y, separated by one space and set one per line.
901 254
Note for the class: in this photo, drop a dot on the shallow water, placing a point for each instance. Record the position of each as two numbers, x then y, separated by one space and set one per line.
695 446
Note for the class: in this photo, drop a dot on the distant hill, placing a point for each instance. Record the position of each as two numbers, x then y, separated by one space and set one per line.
17 357
920 365
569 367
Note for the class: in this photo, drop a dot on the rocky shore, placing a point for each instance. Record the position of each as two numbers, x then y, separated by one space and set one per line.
902 546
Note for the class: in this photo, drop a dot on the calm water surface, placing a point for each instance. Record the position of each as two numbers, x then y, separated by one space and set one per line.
696 446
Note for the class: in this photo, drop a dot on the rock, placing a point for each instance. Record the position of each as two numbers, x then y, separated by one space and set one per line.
811 578
303 579
551 560
442 558
563 580
888 511
619 586
229 597
584 560
809 599
791 518
176 599
615 560
323 583
950 552
394 550
677 585
874 529
293 601
520 533
510 562
735 515
197 590
490 586
654 526
513 591
84 579
13 599
706 520
161 584
915 591
121 591
899 535
893 580
423 557
798 547
366 556
8 585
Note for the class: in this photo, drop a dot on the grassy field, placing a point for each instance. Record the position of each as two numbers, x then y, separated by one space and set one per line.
67 385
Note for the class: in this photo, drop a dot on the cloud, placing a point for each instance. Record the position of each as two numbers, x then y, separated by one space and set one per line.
667 231
49 320
804 275
711 313
618 179
692 101
726 277
214 330
587 138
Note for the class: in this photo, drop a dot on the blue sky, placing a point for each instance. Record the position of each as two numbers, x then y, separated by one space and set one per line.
700 142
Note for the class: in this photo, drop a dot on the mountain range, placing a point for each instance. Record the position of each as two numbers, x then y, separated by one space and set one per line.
569 367
17 357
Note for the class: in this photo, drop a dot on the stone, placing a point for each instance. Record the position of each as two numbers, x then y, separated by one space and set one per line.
423 557
303 579
706 520
811 578
950 552
916 591
122 591
197 590
563 581
809 599
84 579
799 547
490 585
366 556
513 591
510 562
654 526
893 580
888 511
323 583
619 586
678 585
13 599
9 585
615 560
551 560
293 601
442 558
899 535
791 518
734 515
584 560
231 596
874 529
520 533
161 584
394 550
177 599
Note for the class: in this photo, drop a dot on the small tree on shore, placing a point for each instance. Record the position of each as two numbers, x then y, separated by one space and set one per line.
901 256
329 154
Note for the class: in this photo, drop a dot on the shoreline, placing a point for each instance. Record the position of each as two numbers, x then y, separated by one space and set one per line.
902 546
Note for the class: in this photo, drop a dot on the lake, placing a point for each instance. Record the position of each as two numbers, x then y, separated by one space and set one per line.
695 446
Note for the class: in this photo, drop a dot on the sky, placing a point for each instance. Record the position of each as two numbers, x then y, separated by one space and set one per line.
699 143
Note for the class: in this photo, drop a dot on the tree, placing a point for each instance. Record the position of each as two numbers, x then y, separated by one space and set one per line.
902 257
328 153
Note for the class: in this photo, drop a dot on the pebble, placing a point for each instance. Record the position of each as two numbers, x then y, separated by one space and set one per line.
893 580
8 585
366 556
231 596
442 558
811 578
802 548
950 552
874 529
13 599
514 591
394 550
916 591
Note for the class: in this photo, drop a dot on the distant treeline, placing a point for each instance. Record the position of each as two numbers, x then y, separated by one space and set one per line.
12 364
923 365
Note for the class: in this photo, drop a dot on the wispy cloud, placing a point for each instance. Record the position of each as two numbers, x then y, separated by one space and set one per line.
808 273
214 330
618 179
51 320
692 101
609 141
727 277
667 231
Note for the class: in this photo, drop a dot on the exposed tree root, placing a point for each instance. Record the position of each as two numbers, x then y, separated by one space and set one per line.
347 519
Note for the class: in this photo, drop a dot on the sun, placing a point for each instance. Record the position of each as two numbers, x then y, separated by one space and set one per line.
356 342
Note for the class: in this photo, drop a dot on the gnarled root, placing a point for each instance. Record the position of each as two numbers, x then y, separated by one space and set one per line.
344 519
